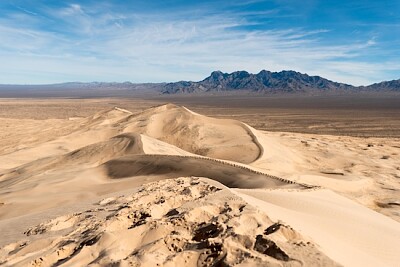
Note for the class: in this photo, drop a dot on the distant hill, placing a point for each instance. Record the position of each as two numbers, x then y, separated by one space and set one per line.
79 89
272 82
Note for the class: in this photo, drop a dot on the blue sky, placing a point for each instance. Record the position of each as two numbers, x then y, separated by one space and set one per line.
356 42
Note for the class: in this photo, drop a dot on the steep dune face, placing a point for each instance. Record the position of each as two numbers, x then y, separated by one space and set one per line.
217 138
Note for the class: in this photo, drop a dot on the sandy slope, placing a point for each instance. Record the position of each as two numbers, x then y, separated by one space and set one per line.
347 232
83 197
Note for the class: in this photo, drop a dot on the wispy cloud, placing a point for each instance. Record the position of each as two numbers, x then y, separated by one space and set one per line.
27 11
92 43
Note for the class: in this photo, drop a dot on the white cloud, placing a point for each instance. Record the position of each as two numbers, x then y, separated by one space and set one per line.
110 46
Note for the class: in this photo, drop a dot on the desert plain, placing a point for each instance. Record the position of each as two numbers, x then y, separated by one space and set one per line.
200 181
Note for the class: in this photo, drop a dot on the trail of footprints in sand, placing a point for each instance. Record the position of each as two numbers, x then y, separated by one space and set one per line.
178 222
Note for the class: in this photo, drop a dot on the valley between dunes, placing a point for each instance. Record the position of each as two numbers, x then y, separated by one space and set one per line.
167 187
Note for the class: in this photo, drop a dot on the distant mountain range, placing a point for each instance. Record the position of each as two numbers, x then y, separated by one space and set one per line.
271 82
264 82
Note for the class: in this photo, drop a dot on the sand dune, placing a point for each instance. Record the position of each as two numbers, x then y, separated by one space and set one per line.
110 191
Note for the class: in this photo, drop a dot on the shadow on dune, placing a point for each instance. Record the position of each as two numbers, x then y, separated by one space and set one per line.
231 175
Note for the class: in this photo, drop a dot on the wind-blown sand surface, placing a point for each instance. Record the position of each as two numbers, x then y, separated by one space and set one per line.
168 187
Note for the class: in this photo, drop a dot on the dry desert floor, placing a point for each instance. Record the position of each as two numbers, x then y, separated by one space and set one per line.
140 183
